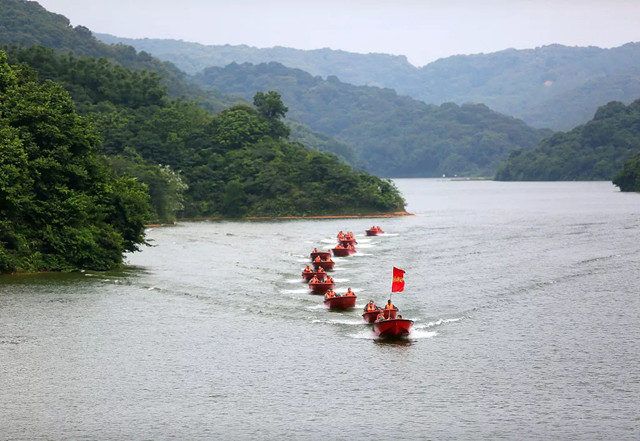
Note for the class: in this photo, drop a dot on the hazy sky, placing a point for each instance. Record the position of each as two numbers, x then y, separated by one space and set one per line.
422 30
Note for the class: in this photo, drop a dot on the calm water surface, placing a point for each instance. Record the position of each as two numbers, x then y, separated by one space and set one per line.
525 298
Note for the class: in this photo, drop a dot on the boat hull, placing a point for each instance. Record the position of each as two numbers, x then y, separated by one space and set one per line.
393 328
341 302
322 254
343 252
373 232
390 313
326 265
321 287
371 316
308 276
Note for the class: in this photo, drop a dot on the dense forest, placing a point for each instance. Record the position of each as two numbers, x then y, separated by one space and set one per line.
61 207
593 151
394 136
556 87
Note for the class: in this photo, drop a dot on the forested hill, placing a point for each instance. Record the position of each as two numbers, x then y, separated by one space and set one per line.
593 151
551 86
395 136
371 69
26 23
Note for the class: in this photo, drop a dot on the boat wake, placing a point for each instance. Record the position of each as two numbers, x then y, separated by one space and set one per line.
349 322
295 291
418 333
439 322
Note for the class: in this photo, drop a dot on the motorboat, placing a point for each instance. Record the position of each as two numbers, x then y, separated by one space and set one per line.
341 251
308 275
326 264
340 302
322 254
320 287
374 231
392 328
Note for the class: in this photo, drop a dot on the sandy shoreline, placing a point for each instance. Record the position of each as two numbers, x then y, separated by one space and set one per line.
323 216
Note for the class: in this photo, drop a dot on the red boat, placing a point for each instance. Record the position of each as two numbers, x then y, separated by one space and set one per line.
392 328
321 287
309 275
390 313
374 231
322 254
345 242
371 317
326 264
343 252
341 302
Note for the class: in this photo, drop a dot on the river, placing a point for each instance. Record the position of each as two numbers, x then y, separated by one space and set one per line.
525 297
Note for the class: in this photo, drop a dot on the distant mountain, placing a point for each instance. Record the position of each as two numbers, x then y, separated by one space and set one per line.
527 84
394 136
26 23
381 70
596 150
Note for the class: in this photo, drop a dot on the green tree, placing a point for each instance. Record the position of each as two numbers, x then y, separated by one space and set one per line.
628 178
271 107
61 207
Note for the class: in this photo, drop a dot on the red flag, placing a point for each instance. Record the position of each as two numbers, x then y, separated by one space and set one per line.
398 280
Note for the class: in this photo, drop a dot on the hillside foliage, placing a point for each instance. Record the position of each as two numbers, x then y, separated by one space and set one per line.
61 207
628 178
188 157
555 86
593 151
393 136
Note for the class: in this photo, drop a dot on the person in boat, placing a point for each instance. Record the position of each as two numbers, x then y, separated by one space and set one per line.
339 246
329 294
307 269
371 306
314 279
380 317
318 259
328 259
320 269
349 292
329 279
349 246
315 250
399 316
389 305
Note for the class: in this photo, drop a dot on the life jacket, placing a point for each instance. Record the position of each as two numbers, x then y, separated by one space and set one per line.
389 306
350 293
307 270
371 307
318 259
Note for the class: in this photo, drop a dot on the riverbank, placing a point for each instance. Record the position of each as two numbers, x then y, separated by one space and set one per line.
320 216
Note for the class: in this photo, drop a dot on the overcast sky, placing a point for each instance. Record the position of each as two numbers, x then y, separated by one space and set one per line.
423 30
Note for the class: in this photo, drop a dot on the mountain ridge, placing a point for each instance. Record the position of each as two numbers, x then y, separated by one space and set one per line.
523 83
